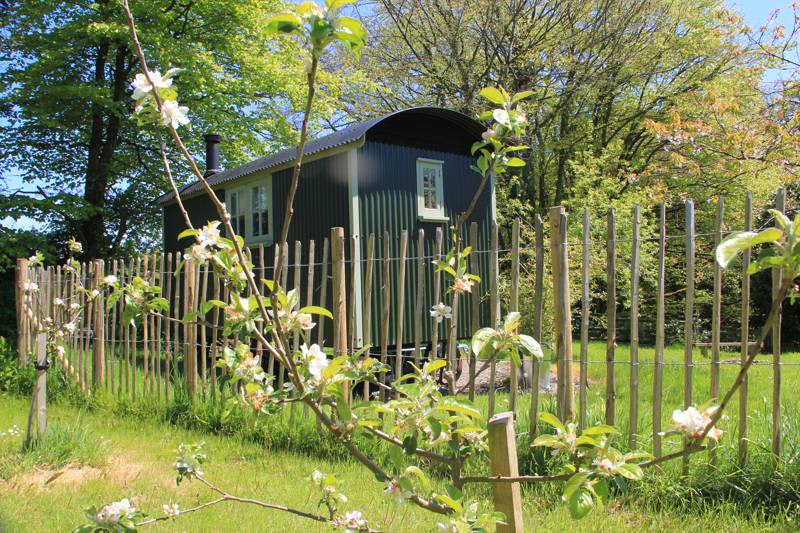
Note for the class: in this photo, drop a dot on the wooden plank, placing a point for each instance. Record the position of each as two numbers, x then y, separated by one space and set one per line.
40 393
387 302
611 317
634 343
494 302
135 343
503 462
203 348
401 300
215 321
168 278
339 296
688 316
145 333
538 309
99 348
22 326
475 300
437 294
777 430
352 329
368 283
583 384
367 302
658 369
190 329
745 332
296 275
514 307
323 292
716 315
419 304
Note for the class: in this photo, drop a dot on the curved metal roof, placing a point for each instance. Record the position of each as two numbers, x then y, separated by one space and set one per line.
338 138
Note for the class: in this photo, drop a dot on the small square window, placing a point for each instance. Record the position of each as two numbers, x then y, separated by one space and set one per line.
250 209
430 194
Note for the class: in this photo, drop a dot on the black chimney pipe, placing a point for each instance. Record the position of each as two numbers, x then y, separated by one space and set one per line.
212 154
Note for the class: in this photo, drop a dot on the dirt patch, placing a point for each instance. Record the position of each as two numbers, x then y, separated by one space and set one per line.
547 383
74 474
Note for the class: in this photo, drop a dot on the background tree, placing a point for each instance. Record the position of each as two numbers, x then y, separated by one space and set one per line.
65 102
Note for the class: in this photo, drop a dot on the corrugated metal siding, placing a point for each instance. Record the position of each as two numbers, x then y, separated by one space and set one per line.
388 202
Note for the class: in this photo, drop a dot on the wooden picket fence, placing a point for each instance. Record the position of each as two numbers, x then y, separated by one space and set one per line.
159 353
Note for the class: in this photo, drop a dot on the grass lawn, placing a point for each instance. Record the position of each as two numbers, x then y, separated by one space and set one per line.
273 462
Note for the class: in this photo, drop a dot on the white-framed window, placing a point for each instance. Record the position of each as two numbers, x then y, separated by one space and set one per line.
260 205
430 193
250 208
236 210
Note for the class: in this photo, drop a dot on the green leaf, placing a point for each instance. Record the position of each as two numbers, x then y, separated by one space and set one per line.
739 242
187 233
450 502
316 310
284 23
420 475
458 406
493 95
530 347
549 441
481 339
515 162
511 321
551 420
574 483
521 96
782 220
410 445
335 5
631 471
580 503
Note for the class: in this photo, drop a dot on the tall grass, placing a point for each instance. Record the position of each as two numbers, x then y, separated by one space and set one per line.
64 444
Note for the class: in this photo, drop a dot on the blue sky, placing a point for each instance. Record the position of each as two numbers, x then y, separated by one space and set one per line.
755 12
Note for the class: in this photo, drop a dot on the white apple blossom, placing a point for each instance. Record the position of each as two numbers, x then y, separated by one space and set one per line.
74 246
301 321
60 351
501 116
693 423
95 293
354 522
171 510
70 326
463 284
74 306
110 279
441 311
173 114
58 302
141 85
394 489
31 286
316 359
209 234
113 512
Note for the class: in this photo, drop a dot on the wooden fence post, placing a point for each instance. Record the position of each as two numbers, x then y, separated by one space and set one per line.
190 330
401 302
99 348
658 368
777 433
538 300
39 400
585 311
22 298
634 377
745 331
475 300
339 297
562 313
688 325
716 316
611 318
514 306
503 457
